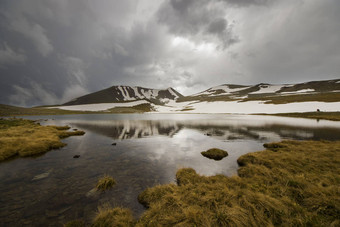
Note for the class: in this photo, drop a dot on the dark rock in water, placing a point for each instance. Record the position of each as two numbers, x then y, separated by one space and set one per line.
208 134
114 144
75 129
76 156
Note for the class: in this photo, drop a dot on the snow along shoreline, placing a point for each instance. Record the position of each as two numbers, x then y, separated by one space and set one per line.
251 107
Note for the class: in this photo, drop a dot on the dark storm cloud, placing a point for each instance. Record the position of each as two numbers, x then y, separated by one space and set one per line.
198 20
243 3
53 51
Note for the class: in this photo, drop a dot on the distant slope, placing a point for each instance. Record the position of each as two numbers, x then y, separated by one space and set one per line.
117 94
7 110
325 91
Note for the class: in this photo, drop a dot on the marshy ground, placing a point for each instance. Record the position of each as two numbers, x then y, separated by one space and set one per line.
19 137
291 183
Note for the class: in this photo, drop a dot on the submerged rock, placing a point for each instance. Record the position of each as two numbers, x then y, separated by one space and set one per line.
92 193
76 156
114 144
41 176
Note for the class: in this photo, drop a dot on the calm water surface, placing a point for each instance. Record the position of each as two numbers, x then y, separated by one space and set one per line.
54 188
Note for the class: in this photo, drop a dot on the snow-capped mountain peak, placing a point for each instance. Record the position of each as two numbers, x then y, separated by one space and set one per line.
127 93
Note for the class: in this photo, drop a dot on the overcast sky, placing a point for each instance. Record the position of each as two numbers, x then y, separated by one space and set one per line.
54 50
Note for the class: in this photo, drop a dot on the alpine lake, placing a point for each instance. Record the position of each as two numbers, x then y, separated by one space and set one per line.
138 151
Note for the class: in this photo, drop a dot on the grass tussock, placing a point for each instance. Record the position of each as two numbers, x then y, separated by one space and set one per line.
292 183
19 137
105 183
115 217
215 153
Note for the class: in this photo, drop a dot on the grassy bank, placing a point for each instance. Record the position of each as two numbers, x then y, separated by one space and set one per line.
283 99
292 183
333 116
6 110
19 137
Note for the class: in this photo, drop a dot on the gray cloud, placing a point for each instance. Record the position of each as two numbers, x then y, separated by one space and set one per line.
243 3
53 51
23 96
10 57
33 31
199 20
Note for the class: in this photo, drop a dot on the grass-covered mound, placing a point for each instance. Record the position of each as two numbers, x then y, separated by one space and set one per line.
19 137
215 153
113 217
105 183
297 185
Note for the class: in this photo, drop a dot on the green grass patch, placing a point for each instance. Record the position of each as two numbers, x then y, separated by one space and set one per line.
215 153
333 116
19 137
142 108
6 110
283 99
105 183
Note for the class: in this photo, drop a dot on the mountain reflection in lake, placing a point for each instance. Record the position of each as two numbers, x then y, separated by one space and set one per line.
55 188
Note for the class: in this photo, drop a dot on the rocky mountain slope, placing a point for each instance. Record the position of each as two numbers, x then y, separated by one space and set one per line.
228 92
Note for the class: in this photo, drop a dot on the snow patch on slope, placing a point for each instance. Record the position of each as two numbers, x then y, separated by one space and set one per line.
268 89
225 88
299 91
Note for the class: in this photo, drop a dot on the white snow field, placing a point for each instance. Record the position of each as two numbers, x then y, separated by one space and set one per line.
247 107
250 107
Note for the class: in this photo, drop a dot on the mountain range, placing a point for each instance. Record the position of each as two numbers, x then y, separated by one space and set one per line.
226 98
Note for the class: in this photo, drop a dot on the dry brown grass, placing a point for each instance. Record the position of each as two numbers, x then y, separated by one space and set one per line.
23 138
332 116
297 185
291 183
116 217
215 153
105 183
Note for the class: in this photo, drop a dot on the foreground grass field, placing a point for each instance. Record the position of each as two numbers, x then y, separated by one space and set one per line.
333 116
19 137
291 183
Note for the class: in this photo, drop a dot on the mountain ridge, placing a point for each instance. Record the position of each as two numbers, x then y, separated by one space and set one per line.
224 92
122 93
